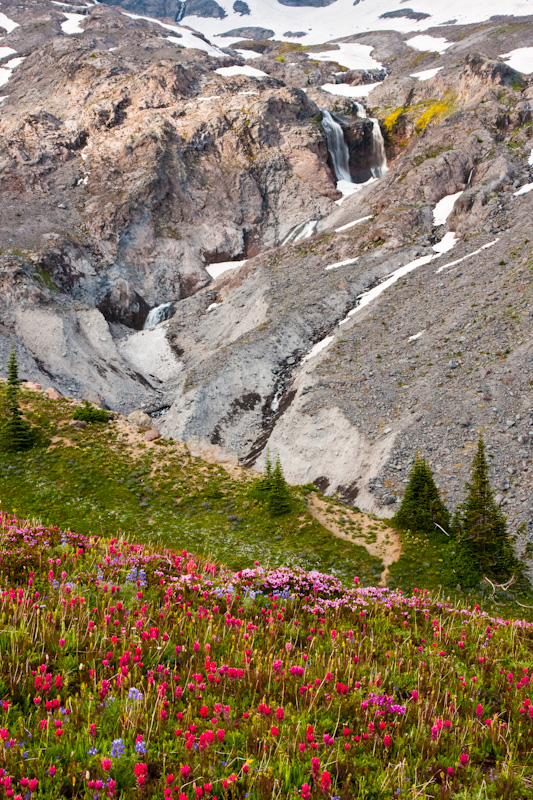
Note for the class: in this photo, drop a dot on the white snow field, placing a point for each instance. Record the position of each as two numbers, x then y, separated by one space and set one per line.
315 350
347 90
214 270
342 18
528 187
444 208
433 44
447 243
251 72
345 263
6 70
7 24
72 24
6 51
426 74
350 55
520 59
469 255
351 224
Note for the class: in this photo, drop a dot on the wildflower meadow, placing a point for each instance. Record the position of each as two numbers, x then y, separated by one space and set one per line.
132 671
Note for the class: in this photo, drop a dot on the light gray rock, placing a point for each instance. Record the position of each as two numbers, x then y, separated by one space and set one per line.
78 424
140 419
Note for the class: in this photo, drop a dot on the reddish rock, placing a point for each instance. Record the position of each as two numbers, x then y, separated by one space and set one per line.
151 435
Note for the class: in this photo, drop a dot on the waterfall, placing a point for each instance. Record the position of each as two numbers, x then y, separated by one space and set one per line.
337 147
359 110
157 315
378 151
301 231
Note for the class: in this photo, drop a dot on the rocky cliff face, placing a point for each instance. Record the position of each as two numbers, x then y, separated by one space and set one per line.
136 171
128 165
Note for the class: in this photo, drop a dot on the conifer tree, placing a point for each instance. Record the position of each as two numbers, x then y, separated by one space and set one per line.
15 433
421 508
483 544
264 484
279 500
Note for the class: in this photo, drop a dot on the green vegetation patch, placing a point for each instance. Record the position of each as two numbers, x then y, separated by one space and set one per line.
94 481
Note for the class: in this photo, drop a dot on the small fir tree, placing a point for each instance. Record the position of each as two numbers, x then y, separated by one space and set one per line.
15 433
421 508
263 486
279 499
483 546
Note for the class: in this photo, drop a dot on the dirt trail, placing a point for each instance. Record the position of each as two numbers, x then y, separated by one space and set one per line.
374 535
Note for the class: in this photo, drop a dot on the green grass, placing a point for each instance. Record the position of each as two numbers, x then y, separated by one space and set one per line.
427 565
98 484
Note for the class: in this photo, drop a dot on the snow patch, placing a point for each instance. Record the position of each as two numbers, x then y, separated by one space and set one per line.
7 69
444 208
7 24
470 255
530 159
354 187
351 224
251 72
347 188
425 74
344 263
520 59
248 54
342 18
433 44
72 24
347 90
447 243
6 51
317 348
525 189
372 294
214 270
351 55
416 336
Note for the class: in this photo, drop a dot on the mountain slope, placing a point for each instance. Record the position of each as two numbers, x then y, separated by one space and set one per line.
138 172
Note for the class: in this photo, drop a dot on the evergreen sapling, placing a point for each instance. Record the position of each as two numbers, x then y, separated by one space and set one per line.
483 545
15 433
422 509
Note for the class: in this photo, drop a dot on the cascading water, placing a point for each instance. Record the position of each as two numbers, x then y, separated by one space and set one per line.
337 147
378 151
378 145
157 315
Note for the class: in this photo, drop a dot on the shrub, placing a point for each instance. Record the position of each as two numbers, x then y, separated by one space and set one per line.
89 413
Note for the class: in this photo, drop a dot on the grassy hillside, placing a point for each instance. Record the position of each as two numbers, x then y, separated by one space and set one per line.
105 480
137 672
